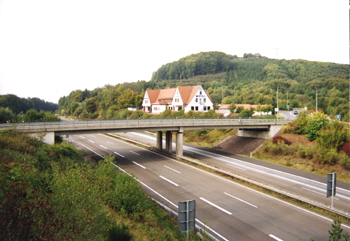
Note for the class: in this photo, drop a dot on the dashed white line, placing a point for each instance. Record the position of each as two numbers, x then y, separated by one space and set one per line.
139 165
275 238
91 141
169 181
134 152
118 154
110 142
241 200
103 147
216 206
172 169
82 137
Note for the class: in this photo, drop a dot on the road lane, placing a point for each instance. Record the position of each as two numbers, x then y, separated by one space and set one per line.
296 182
270 216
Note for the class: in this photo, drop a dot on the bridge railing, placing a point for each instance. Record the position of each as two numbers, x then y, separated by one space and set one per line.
136 123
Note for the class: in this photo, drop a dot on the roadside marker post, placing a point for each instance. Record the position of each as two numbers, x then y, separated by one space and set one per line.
187 216
331 186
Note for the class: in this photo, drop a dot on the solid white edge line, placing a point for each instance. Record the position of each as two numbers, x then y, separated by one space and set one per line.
118 154
139 165
90 149
241 200
169 181
103 147
275 238
214 205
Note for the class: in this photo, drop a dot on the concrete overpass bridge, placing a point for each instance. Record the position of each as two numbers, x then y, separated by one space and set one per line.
46 131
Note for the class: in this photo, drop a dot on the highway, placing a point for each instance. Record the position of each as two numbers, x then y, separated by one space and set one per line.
229 210
306 185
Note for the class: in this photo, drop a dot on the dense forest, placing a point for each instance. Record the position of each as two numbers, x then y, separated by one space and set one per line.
16 109
252 79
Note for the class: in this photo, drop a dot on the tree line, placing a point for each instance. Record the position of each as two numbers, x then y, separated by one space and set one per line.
253 79
16 109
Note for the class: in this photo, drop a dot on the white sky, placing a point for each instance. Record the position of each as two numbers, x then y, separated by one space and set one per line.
49 48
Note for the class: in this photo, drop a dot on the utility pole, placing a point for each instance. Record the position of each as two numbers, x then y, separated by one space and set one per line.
316 101
277 99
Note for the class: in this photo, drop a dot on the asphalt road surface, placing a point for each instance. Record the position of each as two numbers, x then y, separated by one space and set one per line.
228 210
299 183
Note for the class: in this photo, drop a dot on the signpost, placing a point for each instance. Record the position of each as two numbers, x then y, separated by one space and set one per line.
187 216
331 186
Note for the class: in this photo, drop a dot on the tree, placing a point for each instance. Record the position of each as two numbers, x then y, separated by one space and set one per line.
334 135
314 124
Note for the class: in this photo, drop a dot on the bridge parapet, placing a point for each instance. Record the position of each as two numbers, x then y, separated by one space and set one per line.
142 124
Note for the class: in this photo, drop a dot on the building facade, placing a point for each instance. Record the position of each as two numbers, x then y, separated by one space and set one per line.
180 98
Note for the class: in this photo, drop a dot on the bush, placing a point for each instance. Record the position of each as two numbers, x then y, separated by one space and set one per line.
277 139
333 135
346 149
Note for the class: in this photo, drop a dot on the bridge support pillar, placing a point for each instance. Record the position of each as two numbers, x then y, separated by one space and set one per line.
47 137
179 143
168 141
159 140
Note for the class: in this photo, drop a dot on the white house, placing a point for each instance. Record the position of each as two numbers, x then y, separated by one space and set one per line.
180 98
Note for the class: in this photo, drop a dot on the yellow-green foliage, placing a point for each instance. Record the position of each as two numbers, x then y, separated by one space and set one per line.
49 192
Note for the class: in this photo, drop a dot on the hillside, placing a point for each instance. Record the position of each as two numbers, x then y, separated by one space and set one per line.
253 79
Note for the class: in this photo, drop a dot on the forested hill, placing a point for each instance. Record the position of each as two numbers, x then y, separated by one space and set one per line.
252 79
18 104
255 79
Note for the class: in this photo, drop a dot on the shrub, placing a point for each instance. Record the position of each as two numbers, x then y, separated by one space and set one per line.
277 139
315 124
274 149
346 148
333 135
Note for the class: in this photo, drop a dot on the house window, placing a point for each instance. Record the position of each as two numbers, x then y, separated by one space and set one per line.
200 92
196 107
146 101
176 99
204 108
192 107
208 107
205 100
196 99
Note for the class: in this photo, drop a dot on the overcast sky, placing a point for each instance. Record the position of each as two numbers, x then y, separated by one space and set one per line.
49 48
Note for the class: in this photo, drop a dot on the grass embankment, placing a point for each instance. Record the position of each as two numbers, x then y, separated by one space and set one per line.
50 192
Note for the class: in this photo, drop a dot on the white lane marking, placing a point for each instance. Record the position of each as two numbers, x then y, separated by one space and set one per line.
139 165
134 152
241 200
103 147
110 142
214 205
93 136
90 149
118 154
236 167
172 169
169 181
91 141
82 137
323 194
275 238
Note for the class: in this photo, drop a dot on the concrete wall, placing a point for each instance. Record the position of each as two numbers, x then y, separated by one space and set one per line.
266 134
